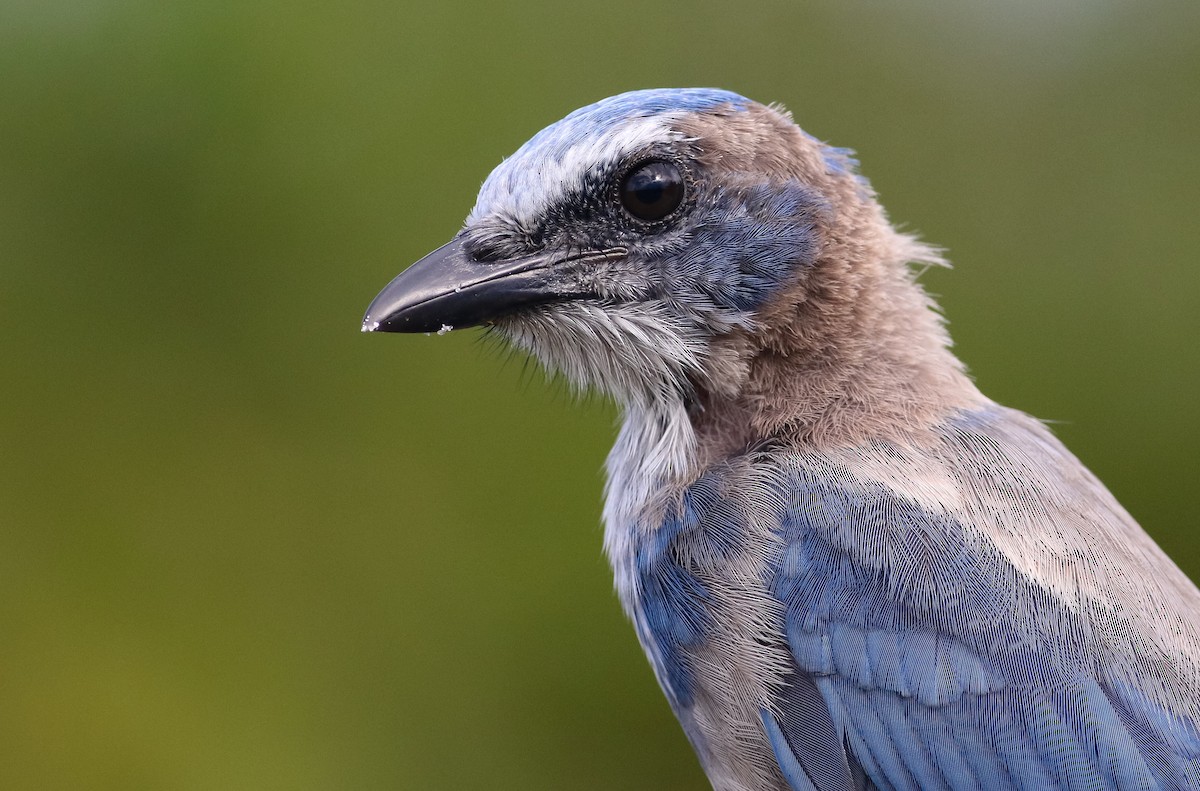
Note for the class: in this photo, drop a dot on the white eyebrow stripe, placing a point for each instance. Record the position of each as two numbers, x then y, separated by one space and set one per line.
543 171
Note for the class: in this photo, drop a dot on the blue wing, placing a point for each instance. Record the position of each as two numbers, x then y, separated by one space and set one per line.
808 746
942 665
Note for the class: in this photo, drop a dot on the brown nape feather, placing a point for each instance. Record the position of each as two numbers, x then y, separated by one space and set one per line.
854 350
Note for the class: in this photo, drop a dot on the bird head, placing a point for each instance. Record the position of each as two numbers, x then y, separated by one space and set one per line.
660 244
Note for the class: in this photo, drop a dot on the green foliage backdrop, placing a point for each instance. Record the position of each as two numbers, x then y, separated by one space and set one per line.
243 546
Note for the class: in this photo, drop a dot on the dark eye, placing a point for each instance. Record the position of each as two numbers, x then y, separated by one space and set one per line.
652 191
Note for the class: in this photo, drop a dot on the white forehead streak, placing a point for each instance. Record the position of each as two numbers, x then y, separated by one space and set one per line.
544 170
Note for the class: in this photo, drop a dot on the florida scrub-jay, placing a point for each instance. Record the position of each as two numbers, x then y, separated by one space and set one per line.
848 567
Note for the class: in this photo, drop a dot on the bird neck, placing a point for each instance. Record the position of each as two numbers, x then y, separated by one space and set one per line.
846 359
654 456
833 366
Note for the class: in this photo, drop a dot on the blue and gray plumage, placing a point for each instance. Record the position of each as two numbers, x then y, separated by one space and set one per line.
848 567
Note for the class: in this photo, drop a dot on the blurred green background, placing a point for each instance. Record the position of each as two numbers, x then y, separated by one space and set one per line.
245 547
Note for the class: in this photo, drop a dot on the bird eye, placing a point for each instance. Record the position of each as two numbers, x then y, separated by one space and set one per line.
652 191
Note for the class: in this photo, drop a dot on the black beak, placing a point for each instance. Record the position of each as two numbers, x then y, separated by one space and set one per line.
447 290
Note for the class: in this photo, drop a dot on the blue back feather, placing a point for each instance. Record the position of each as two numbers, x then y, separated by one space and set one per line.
922 657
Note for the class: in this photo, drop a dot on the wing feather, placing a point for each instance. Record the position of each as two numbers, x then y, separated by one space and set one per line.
945 660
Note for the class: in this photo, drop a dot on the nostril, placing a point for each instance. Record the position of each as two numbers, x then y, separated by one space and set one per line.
486 251
488 245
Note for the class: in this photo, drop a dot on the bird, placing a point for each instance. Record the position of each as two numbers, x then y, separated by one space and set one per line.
849 569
